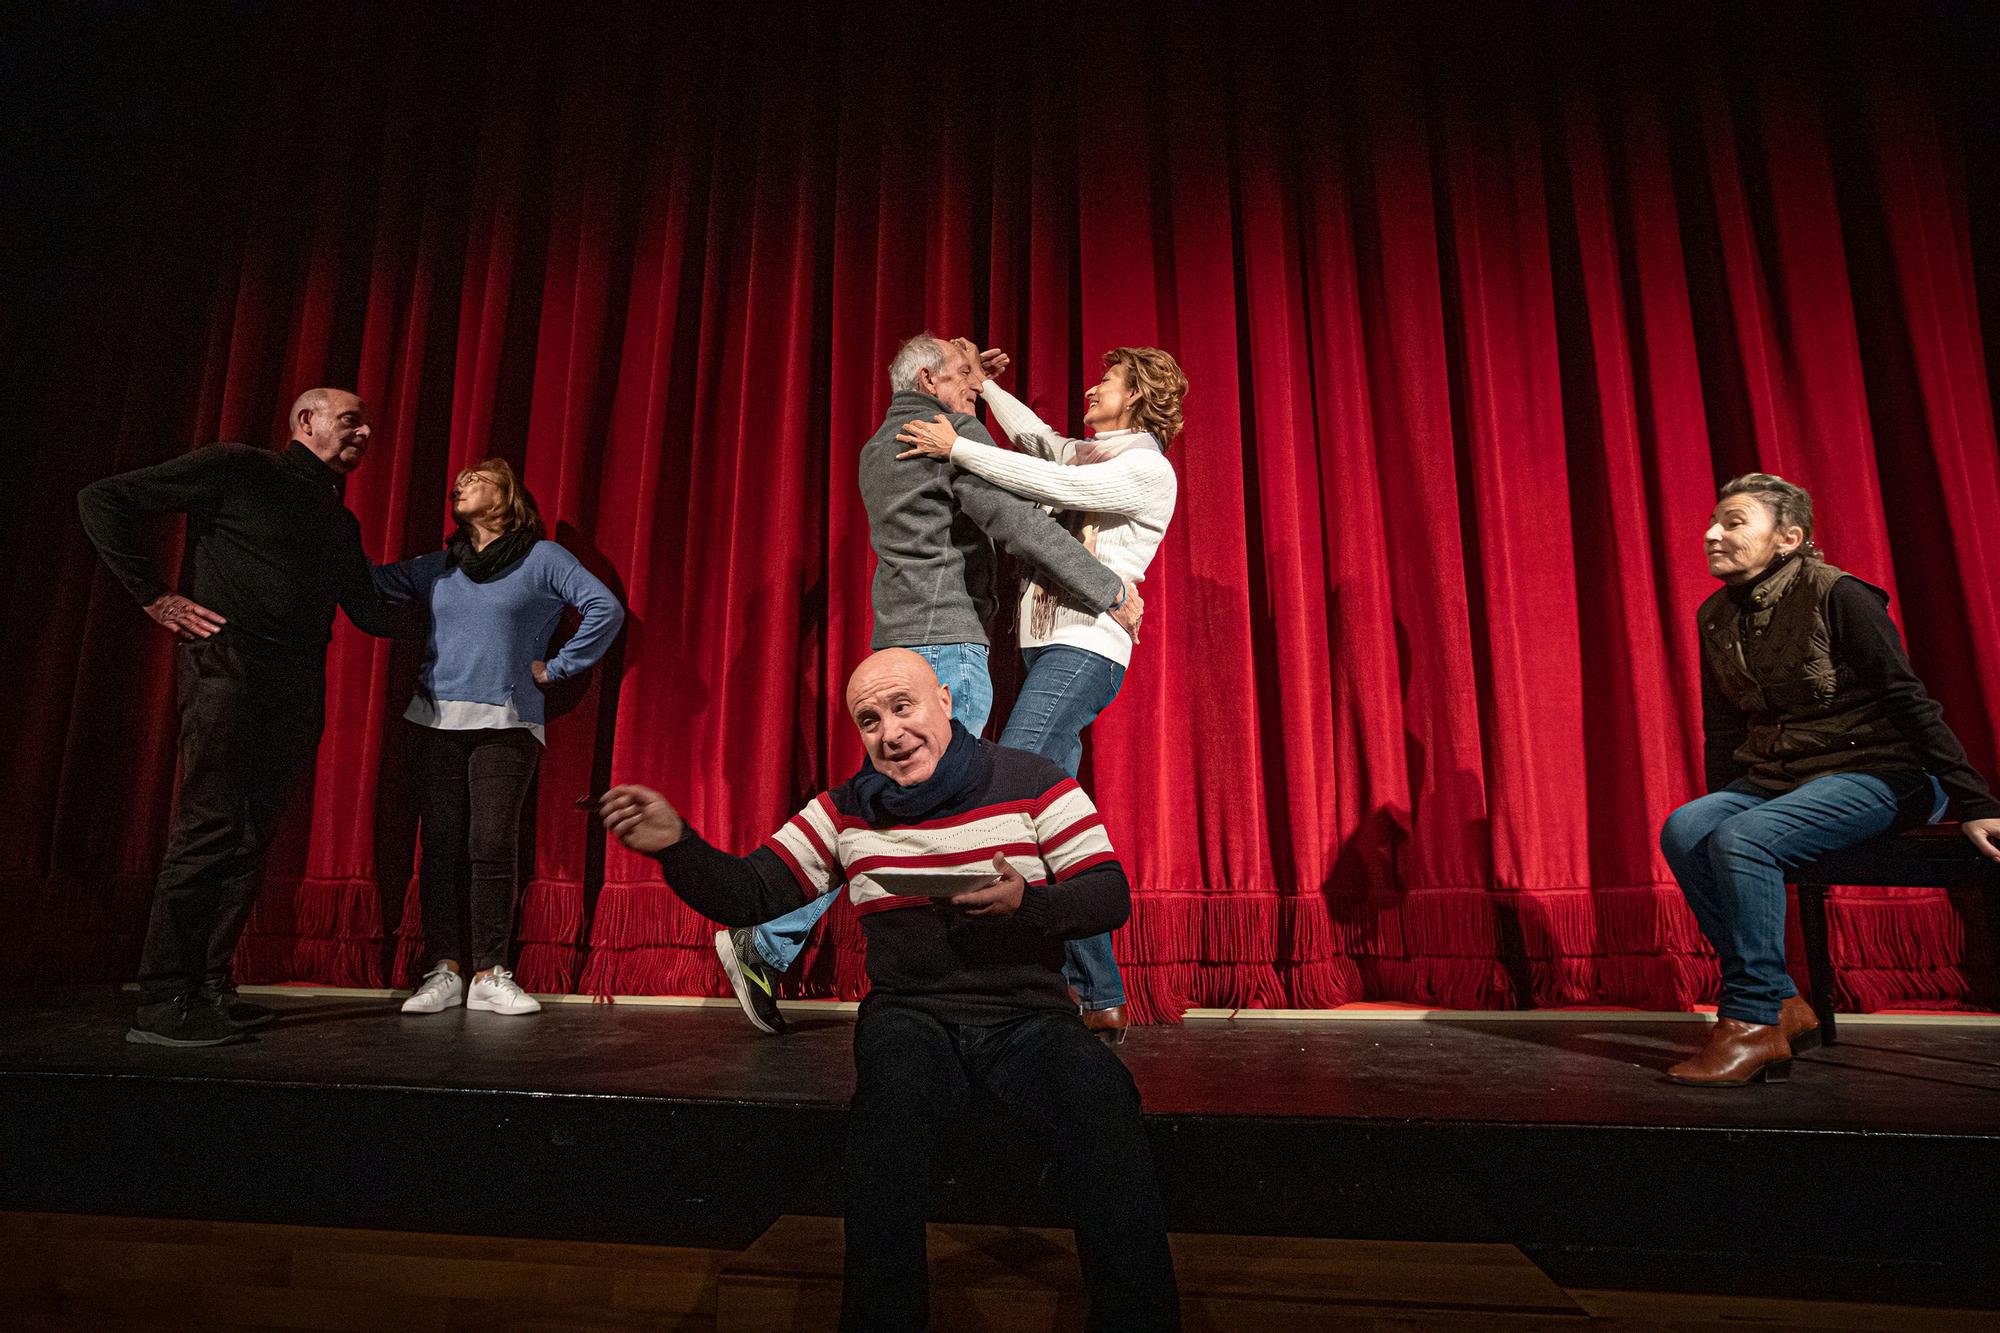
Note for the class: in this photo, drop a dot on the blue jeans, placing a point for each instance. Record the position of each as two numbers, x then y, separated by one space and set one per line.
962 668
1065 690
1730 851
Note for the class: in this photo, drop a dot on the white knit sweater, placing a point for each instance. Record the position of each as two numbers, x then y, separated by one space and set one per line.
1129 499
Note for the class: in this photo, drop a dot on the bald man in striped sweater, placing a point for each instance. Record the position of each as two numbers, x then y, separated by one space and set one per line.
969 865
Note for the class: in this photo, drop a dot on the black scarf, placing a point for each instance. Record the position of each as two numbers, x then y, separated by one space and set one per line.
500 555
958 771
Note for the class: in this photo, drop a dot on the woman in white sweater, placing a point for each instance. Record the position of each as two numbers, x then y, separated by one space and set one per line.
1117 491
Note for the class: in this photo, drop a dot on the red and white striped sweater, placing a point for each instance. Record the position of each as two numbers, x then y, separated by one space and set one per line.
920 949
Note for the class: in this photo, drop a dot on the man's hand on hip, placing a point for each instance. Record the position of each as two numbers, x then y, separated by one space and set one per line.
188 619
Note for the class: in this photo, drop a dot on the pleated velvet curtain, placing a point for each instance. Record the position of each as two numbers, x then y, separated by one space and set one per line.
1478 308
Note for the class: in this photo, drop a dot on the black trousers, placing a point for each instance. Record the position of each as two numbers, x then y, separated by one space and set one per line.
913 1074
470 787
249 730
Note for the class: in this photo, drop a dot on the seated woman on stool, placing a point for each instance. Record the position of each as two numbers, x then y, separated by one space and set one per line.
1817 736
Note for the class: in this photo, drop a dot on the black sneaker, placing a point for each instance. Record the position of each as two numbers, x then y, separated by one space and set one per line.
188 1021
749 978
239 1012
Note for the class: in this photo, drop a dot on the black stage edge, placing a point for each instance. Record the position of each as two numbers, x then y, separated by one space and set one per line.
1874 1174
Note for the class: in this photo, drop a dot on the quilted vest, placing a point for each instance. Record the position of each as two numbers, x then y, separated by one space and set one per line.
1807 715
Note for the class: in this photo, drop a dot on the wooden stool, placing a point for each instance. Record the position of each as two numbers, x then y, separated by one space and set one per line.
1937 857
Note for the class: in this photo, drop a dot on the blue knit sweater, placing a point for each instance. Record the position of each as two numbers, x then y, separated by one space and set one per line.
484 635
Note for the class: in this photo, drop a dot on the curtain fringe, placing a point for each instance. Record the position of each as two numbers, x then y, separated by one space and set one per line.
1629 945
670 970
551 969
551 911
633 916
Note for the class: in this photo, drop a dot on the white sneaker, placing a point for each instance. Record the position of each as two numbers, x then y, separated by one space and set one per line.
439 991
496 993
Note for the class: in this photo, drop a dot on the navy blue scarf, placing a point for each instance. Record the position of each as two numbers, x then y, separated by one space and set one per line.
883 802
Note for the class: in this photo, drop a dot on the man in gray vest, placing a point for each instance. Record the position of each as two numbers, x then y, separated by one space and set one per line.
933 530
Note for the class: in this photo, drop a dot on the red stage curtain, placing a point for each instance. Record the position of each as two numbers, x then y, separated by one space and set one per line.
1477 309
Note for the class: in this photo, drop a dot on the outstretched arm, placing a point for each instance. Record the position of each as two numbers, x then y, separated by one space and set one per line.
1129 484
404 581
360 596
731 890
1029 432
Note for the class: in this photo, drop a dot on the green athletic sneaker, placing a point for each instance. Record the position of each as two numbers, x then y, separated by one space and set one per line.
749 978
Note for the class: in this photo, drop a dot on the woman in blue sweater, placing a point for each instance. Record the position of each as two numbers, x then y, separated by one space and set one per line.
494 594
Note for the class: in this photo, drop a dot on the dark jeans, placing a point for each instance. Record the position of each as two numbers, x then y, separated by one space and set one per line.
470 786
1065 690
913 1075
249 729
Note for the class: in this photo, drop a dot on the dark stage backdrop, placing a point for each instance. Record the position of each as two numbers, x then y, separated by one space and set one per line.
1478 310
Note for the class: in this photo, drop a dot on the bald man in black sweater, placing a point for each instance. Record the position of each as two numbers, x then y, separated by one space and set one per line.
271 550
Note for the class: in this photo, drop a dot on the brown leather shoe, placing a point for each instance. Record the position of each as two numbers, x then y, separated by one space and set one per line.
1109 1023
1799 1024
1737 1053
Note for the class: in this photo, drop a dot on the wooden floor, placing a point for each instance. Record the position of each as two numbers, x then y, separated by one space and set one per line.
75 1272
674 1139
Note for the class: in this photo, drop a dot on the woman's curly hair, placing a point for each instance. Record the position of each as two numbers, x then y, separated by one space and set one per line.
1158 380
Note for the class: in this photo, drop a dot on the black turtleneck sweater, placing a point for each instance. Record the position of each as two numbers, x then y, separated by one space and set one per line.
271 547
1865 642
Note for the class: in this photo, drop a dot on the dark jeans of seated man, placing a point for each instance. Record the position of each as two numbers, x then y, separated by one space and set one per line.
249 730
913 1076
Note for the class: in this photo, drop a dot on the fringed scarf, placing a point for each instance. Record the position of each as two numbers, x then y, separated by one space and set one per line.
1043 599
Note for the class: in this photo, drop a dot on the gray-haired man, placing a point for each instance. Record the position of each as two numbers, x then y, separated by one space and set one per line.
933 530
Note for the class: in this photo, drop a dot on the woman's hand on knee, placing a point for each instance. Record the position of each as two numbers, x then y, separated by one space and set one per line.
1985 835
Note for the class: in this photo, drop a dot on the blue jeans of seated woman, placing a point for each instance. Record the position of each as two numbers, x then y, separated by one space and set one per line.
1065 690
962 668
1731 850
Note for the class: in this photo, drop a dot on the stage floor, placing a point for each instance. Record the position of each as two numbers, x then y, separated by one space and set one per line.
1878 1162
1912 1078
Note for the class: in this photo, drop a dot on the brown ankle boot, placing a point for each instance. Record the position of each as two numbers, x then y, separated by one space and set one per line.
1737 1053
1108 1023
1799 1024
